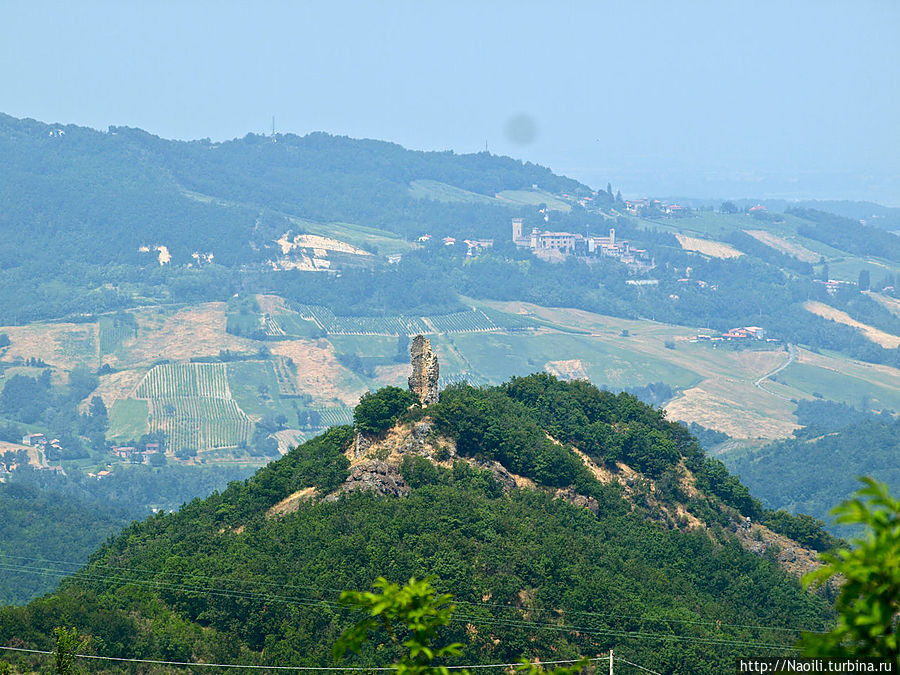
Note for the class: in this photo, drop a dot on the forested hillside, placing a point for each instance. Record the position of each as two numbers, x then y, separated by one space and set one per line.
52 523
574 565
819 468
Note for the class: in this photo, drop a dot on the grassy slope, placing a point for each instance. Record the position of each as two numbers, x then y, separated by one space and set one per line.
442 192
534 197
841 265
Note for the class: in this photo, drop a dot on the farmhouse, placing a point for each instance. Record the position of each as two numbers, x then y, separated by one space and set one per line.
745 333
833 285
34 440
123 451
476 245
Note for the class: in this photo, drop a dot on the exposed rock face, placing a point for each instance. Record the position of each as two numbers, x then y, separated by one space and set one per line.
569 495
503 477
376 476
423 381
415 442
361 445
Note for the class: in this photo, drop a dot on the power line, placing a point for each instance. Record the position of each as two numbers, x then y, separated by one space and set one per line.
519 623
537 625
638 634
263 667
83 576
320 601
636 665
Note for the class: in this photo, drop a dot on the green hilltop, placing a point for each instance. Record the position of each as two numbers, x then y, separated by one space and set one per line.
566 520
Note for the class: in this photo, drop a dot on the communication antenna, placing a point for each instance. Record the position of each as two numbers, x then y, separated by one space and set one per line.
273 126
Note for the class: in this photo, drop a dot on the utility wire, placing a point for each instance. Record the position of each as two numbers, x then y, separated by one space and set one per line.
314 601
618 658
319 668
567 628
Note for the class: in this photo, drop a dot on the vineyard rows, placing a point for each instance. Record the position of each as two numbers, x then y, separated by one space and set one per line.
462 322
335 416
192 404
112 335
200 422
185 379
287 383
458 322
272 328
457 378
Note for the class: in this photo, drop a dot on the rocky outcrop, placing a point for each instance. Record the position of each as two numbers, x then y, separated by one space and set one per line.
504 478
361 445
569 495
375 476
423 381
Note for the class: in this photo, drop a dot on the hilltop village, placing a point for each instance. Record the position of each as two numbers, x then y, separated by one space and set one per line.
556 246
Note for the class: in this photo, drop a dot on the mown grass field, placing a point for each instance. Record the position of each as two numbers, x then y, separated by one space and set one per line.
254 387
369 238
442 192
128 419
534 197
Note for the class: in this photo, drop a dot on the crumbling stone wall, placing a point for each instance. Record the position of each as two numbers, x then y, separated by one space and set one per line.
423 381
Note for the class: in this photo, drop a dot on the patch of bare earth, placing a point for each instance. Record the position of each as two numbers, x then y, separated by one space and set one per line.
785 246
570 369
193 331
876 335
62 345
714 249
34 456
292 502
271 304
791 557
315 241
715 407
636 486
115 387
318 371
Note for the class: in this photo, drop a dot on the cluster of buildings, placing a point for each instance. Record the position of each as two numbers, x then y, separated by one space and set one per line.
40 441
638 206
743 333
548 245
133 454
833 285
473 245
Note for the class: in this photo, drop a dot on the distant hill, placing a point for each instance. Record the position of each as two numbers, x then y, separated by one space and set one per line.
97 197
566 520
875 215
812 473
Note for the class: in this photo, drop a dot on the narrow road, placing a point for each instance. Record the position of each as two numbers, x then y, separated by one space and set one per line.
791 355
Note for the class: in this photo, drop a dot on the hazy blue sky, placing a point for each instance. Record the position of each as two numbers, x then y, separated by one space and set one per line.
708 99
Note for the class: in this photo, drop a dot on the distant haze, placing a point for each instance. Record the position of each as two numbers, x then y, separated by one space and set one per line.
706 99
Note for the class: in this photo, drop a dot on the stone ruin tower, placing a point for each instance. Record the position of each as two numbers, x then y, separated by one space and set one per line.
423 381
